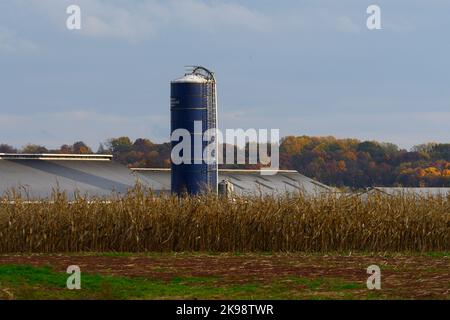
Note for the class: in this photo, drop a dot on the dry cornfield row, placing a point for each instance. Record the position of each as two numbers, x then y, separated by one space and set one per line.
141 222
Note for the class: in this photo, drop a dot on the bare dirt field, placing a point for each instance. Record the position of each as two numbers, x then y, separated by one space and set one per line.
247 276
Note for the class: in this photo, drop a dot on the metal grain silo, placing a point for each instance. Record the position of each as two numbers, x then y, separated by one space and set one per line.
193 98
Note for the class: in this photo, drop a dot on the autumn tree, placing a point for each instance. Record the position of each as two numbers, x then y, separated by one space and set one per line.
5 148
337 162
81 148
34 149
120 145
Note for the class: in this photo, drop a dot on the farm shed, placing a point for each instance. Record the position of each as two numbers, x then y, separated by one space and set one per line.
424 192
36 176
245 182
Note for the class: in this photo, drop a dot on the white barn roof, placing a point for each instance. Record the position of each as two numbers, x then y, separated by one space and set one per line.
37 176
412 191
245 182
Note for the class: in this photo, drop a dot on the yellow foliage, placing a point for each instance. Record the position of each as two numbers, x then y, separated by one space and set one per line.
341 165
432 171
294 145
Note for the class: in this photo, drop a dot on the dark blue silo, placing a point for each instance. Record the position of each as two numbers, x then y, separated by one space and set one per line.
193 98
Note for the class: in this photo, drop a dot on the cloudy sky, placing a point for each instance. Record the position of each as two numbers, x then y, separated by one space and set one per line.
306 67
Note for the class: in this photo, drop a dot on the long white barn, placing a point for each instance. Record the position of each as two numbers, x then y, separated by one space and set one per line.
425 192
37 176
244 182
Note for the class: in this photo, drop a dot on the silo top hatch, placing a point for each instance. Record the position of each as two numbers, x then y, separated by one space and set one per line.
197 74
191 78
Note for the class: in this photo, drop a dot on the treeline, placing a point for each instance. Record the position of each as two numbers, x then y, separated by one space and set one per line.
350 162
337 162
138 153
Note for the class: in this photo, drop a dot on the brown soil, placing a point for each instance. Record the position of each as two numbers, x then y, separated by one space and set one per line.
402 276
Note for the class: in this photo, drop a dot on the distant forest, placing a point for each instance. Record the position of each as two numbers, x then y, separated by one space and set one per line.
336 162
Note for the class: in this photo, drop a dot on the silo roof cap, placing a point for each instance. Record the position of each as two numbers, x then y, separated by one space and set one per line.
191 78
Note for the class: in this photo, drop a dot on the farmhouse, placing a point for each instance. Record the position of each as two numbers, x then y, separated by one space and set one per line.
37 176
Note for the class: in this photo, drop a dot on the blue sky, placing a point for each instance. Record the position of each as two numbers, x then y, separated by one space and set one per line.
305 67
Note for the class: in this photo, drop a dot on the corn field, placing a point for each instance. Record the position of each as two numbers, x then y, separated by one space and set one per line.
141 222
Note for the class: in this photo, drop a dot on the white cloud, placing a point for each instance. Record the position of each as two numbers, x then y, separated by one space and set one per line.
403 128
346 24
139 19
55 129
10 42
133 20
212 14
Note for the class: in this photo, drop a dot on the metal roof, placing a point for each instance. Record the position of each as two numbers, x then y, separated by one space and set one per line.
37 177
49 156
245 182
413 191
